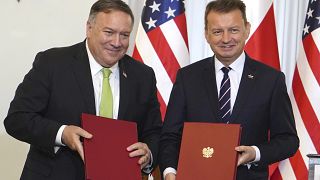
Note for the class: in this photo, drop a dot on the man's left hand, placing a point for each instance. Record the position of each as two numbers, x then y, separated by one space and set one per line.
141 150
247 154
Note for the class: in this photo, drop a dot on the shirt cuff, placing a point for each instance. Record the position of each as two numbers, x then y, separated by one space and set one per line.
169 170
58 140
148 168
258 156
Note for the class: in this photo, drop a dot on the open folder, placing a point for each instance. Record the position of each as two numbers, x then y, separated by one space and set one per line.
208 151
105 153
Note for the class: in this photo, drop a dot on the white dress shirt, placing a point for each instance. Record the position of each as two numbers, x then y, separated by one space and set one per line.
235 75
97 78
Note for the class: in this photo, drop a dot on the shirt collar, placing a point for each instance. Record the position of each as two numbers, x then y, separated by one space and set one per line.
95 67
237 65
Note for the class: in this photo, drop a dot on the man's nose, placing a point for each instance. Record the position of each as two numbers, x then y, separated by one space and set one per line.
226 37
116 41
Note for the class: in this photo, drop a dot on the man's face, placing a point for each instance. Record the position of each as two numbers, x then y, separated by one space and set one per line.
108 36
226 33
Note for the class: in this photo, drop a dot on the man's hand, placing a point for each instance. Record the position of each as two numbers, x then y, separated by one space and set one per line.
170 176
71 137
141 150
246 154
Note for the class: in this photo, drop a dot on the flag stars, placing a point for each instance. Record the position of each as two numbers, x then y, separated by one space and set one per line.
170 12
155 7
151 23
310 13
318 19
306 29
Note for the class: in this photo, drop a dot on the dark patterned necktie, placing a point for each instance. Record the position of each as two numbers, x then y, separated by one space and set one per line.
225 97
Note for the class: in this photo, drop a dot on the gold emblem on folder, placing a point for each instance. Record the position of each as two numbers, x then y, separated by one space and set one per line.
207 152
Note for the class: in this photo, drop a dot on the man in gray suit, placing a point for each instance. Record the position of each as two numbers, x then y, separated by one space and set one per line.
258 98
65 82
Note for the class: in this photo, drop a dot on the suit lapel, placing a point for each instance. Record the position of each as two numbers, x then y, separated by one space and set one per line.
81 69
245 88
125 87
209 77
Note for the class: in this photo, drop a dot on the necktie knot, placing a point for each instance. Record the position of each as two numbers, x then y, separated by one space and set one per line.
225 70
106 72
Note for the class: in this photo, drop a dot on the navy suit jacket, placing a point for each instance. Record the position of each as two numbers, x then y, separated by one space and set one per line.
57 90
262 104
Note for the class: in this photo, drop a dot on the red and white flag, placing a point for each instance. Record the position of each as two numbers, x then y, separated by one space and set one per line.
262 44
162 43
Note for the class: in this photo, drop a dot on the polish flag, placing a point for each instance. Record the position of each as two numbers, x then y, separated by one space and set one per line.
262 43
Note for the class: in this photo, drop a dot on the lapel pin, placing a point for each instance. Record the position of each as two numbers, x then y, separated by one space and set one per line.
250 76
124 74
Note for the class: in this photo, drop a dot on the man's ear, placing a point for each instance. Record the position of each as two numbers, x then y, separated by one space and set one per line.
248 27
206 35
88 28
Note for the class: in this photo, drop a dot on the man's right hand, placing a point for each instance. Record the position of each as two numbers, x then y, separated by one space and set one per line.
170 176
71 138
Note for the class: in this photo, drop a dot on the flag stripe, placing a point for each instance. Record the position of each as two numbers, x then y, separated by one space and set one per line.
163 107
313 55
316 35
298 166
150 57
306 111
306 145
164 52
182 25
256 12
276 174
309 82
176 42
286 171
262 38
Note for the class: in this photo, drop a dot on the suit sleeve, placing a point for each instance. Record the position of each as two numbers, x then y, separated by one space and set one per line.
151 128
284 141
25 120
172 128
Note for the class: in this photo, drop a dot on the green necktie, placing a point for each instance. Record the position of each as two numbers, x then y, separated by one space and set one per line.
106 103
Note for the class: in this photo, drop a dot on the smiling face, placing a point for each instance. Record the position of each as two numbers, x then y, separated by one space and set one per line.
108 36
227 33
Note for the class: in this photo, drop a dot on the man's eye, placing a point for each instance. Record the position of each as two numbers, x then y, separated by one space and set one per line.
216 33
234 31
109 33
125 35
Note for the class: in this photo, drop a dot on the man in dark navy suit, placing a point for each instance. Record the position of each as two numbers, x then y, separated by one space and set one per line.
257 97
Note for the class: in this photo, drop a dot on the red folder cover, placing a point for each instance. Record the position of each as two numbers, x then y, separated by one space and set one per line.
105 153
208 151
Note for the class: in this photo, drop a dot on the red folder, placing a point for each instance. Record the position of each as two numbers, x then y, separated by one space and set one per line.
208 151
105 153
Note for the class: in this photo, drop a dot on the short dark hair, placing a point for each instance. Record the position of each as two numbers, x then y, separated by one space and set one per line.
225 6
107 6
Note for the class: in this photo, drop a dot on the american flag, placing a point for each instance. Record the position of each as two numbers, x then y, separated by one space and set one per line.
162 43
305 96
